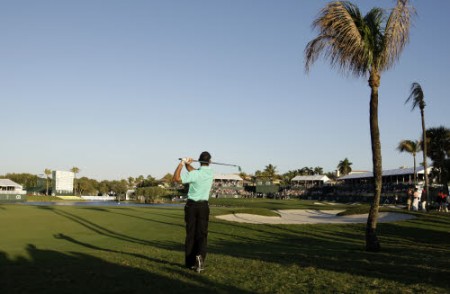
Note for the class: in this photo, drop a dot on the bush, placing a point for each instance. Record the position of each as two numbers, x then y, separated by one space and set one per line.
152 194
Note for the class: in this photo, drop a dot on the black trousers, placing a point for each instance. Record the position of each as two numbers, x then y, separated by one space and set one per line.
196 216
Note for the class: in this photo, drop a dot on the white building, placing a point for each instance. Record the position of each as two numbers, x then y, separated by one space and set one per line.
9 187
310 181
11 191
228 180
62 182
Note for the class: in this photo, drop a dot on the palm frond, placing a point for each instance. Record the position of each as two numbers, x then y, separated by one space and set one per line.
409 146
416 96
340 38
396 34
373 34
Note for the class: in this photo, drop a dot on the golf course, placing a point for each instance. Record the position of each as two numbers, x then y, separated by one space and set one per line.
119 249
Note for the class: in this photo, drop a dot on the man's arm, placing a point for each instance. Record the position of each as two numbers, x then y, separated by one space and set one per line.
189 166
177 174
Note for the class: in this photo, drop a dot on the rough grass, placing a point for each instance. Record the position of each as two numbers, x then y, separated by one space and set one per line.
62 249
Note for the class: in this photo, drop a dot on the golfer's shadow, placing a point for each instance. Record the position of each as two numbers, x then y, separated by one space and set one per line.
97 228
61 236
50 271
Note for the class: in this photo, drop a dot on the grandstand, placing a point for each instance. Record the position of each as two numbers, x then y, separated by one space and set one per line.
230 185
392 176
309 181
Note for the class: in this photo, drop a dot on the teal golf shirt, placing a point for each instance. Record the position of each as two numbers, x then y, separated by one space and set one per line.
200 183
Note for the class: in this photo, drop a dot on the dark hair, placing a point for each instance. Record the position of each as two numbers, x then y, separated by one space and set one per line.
205 157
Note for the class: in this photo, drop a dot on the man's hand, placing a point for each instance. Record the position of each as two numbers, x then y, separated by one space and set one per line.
186 160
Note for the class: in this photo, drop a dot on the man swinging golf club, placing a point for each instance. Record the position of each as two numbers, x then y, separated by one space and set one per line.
196 210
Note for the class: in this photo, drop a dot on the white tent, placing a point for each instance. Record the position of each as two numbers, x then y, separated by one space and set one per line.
230 177
7 186
310 181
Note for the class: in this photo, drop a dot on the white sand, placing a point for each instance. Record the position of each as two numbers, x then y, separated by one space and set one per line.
301 216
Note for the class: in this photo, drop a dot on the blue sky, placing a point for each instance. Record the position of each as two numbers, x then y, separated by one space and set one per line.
124 88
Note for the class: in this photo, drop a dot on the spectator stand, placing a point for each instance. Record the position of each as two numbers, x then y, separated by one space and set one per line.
227 186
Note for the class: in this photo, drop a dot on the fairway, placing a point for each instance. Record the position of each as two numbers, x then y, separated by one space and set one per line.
70 249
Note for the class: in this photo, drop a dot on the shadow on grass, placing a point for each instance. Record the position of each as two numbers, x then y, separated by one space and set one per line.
414 251
410 255
48 271
97 228
152 219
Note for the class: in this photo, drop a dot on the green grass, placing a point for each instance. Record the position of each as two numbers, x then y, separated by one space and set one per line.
364 209
33 198
69 249
273 204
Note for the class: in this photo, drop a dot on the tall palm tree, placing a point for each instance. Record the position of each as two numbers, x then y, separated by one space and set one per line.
344 166
363 46
417 99
411 147
75 170
47 172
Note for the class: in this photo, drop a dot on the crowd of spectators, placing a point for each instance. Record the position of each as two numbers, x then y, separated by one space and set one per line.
391 193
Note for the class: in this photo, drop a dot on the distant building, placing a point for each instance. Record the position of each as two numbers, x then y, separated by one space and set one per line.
310 181
228 180
11 191
227 186
392 176
62 183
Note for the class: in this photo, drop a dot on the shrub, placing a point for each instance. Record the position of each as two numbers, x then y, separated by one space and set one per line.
153 194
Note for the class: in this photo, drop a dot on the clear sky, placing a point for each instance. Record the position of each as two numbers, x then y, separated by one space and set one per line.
124 88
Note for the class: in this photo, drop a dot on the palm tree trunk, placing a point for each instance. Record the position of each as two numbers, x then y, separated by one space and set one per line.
415 174
424 149
372 243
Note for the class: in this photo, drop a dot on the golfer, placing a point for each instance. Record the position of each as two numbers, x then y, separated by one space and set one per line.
196 210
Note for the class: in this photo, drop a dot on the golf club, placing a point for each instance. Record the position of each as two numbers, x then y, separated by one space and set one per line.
217 163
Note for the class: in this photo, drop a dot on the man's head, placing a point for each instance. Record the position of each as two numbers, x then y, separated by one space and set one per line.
205 158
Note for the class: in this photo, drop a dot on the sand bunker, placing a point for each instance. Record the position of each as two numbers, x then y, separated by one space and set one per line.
309 216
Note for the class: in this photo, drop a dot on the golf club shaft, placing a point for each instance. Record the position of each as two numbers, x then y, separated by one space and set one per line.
217 163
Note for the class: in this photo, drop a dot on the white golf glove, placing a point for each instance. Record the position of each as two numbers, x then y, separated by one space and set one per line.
186 160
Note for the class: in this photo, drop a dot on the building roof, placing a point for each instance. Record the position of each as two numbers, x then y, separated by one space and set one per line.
386 173
230 177
8 183
311 178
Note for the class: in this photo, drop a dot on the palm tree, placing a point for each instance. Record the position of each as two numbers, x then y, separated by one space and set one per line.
417 99
75 170
344 167
411 147
244 176
439 151
363 45
47 172
131 181
270 172
318 170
